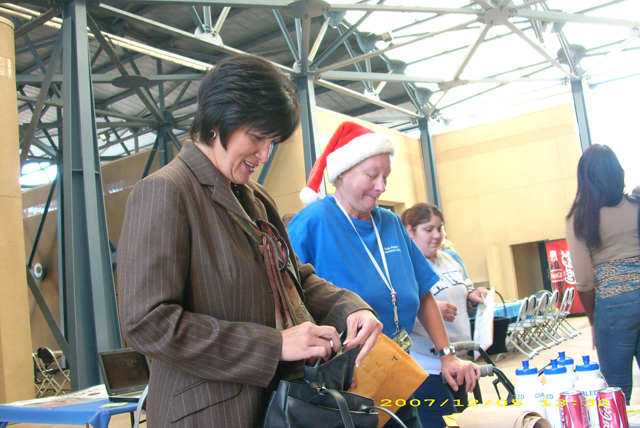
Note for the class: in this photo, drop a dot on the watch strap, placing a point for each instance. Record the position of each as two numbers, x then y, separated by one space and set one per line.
446 351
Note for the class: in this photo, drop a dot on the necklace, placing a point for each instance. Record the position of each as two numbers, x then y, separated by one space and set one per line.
236 192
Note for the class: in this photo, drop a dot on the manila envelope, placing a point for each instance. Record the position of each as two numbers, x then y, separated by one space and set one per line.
388 375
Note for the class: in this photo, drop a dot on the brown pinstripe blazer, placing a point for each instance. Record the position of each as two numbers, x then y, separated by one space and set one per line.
194 296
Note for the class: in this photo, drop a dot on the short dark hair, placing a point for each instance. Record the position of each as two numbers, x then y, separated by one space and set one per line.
245 90
600 184
420 213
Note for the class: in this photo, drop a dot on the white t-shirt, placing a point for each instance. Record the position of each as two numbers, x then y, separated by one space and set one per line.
452 288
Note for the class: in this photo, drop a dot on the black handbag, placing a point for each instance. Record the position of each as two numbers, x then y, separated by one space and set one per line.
310 405
321 400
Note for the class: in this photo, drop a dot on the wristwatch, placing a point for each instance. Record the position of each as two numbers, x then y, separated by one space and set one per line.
446 351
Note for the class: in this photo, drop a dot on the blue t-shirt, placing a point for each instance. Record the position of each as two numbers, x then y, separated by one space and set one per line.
322 235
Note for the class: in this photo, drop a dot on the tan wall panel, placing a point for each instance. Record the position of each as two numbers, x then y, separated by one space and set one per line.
526 260
16 365
464 230
517 177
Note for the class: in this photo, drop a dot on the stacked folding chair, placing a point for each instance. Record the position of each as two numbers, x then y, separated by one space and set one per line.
516 333
541 324
559 323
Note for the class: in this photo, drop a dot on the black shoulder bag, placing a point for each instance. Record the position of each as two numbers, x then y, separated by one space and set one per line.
321 400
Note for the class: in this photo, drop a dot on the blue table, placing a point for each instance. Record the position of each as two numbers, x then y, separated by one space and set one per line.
512 309
90 413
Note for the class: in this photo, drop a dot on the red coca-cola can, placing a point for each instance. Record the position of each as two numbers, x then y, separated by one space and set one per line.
573 413
612 408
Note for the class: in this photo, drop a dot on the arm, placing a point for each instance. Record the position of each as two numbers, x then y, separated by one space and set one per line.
581 260
588 300
465 371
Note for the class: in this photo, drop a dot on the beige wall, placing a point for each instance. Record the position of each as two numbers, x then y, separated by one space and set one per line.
16 364
507 183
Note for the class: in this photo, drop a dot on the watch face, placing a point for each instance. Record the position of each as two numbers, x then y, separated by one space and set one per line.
446 351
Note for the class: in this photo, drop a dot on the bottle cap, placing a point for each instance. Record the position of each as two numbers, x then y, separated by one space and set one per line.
587 366
525 370
555 369
564 361
553 254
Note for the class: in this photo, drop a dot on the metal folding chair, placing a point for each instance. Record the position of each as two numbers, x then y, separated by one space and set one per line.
141 406
49 368
40 380
516 331
541 320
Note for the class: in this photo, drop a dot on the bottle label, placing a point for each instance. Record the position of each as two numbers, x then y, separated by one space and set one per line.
557 275
592 393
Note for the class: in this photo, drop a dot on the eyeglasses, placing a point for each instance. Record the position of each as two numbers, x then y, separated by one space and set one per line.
281 246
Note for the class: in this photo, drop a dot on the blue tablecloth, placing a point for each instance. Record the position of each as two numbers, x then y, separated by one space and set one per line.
512 309
77 414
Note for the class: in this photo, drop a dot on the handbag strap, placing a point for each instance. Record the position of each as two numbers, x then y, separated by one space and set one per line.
290 308
390 413
342 406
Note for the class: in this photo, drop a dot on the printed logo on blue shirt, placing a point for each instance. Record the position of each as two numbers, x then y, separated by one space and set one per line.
392 249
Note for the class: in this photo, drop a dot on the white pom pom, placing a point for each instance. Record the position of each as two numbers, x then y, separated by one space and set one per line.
309 196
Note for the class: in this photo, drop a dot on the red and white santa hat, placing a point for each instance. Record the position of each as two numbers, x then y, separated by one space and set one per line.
350 144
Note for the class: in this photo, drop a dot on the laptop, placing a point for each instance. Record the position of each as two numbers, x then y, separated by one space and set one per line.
125 373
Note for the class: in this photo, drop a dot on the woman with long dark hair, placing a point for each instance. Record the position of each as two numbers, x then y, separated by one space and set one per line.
602 232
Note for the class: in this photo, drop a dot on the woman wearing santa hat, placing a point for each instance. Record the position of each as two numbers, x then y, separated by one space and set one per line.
363 248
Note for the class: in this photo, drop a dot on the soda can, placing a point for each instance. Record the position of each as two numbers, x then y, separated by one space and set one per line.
573 413
612 408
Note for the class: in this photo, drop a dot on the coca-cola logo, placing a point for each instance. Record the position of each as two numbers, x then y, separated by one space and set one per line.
563 418
557 275
570 277
606 417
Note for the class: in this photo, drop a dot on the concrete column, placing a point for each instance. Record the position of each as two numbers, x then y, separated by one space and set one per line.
16 365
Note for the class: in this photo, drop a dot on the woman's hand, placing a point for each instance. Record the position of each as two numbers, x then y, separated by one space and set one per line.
464 371
477 296
448 310
363 329
308 341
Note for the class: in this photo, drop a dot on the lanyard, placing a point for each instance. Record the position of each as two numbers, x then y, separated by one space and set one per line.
385 278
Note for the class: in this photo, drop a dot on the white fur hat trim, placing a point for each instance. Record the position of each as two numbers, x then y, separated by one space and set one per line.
357 150
309 196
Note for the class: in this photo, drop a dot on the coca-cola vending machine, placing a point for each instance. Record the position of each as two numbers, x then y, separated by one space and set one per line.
561 271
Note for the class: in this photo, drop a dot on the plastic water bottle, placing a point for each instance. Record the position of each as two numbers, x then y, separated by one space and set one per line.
529 390
570 366
556 384
589 383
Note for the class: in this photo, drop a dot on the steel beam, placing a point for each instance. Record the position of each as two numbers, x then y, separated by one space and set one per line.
551 16
31 25
86 276
360 96
166 28
429 160
285 34
37 111
577 90
309 122
339 40
378 52
538 49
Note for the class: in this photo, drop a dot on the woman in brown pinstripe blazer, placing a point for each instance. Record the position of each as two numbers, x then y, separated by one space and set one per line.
194 294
